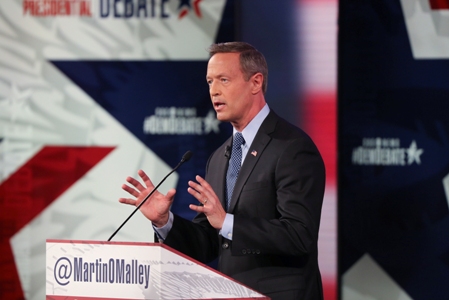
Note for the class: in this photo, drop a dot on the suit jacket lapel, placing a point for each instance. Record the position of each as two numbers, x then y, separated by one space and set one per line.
222 167
259 144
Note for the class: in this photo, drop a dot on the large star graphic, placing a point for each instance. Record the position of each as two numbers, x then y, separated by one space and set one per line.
145 89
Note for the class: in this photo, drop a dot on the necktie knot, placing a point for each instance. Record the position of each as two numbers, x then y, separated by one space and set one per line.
238 141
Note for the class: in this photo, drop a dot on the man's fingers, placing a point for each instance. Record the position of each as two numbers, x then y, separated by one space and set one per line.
135 183
203 182
199 209
199 196
198 191
130 190
204 187
127 201
195 186
145 178
171 193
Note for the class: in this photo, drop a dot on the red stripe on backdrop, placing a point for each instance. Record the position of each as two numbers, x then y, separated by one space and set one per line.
439 4
319 120
330 288
318 115
28 191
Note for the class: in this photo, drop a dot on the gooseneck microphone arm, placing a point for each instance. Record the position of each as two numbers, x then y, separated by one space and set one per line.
185 157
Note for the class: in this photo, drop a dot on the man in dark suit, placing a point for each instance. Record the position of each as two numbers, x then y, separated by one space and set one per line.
260 203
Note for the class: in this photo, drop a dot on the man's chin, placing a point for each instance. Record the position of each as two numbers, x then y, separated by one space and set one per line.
222 117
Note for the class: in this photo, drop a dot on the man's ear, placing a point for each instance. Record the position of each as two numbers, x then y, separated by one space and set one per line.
257 81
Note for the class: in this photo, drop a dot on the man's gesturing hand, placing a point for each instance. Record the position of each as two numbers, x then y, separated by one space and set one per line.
211 207
157 207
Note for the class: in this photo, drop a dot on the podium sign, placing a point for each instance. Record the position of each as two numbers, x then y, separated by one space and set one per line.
121 270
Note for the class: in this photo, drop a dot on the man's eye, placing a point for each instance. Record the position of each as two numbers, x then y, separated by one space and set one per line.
224 80
209 82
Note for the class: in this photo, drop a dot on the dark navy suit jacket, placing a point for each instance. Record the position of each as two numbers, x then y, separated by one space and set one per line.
276 204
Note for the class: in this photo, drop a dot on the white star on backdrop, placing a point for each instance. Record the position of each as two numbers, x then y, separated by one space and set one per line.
414 154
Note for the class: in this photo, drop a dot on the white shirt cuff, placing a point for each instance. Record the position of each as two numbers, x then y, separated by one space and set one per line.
228 227
163 231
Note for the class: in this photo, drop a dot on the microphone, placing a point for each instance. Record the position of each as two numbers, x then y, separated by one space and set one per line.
228 151
186 157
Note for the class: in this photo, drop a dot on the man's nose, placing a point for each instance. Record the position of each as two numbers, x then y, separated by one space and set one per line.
213 89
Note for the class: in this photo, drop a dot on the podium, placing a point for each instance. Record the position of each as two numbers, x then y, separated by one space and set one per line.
122 270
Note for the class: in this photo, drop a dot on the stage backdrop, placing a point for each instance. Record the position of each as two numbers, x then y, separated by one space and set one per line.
90 92
393 149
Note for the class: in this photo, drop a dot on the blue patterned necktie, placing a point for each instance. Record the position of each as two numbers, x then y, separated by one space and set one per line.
234 166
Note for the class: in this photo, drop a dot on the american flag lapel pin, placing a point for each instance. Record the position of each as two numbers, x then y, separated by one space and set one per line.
254 153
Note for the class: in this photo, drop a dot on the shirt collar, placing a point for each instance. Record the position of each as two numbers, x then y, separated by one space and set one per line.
250 131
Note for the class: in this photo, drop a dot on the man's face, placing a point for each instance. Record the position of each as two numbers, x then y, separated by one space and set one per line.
231 95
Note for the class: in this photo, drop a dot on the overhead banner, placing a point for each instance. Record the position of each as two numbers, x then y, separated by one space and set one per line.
91 91
393 190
